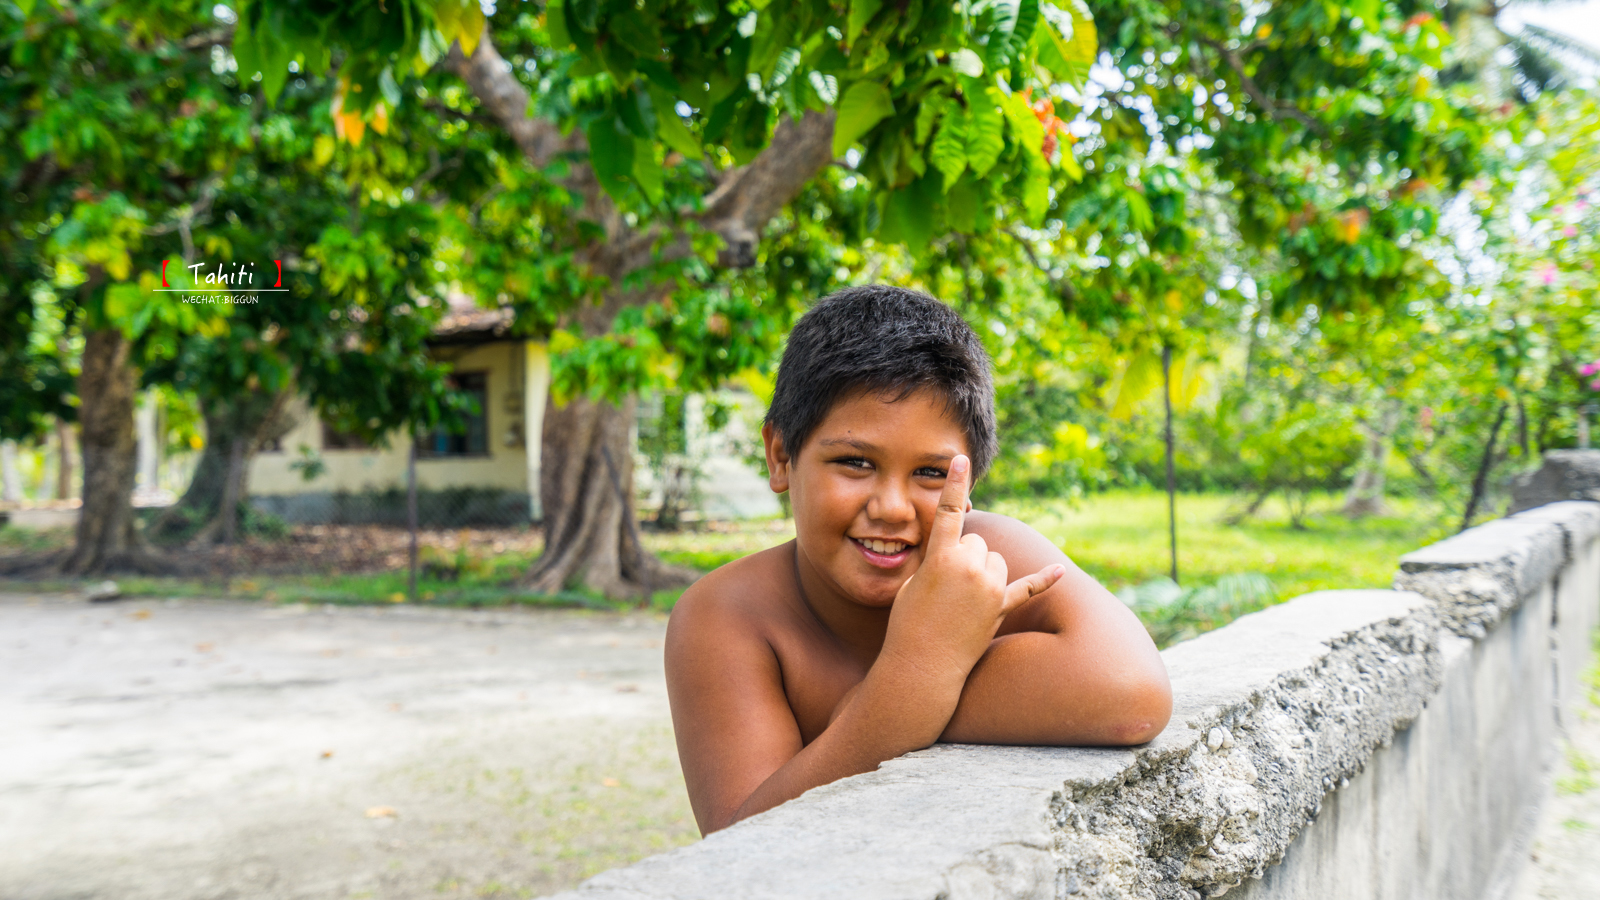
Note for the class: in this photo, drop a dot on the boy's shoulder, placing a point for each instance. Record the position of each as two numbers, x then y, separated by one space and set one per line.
1013 539
745 595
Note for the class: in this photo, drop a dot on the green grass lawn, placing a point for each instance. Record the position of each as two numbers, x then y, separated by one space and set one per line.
1119 537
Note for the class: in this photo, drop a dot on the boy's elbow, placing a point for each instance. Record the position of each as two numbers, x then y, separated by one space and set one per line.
1146 709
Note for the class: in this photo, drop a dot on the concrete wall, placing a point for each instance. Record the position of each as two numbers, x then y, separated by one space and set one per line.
1360 744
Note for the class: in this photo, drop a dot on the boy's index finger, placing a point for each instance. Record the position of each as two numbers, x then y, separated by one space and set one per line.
951 514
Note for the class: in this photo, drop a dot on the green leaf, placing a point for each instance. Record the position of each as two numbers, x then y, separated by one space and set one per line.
647 171
927 114
861 12
1139 217
274 58
864 105
1025 127
948 153
26 6
585 14
555 22
961 206
611 155
966 63
985 130
910 214
671 128
1067 45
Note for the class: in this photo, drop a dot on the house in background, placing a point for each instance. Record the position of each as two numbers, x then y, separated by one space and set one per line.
488 475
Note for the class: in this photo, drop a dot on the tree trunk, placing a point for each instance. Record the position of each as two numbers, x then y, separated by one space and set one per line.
587 523
64 465
107 540
588 514
1365 497
1481 481
1172 484
247 420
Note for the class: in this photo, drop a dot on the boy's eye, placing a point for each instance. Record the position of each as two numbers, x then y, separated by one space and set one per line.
853 462
930 472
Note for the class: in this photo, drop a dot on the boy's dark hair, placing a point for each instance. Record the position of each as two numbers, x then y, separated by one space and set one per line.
887 341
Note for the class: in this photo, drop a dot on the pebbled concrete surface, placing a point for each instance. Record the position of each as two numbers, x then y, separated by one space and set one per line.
202 750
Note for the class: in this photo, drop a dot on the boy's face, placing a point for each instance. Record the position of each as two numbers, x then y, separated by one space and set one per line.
864 487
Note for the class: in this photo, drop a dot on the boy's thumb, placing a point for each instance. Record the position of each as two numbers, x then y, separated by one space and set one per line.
1030 586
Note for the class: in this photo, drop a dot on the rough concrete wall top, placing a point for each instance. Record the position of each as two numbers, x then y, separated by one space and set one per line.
1564 475
1580 519
1481 574
1271 712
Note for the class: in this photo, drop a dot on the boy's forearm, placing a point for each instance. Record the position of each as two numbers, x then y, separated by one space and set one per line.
897 708
1020 692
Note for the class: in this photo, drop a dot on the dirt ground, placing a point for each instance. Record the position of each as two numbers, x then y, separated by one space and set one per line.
204 750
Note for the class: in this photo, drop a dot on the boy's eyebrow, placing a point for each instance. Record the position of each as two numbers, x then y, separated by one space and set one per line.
866 446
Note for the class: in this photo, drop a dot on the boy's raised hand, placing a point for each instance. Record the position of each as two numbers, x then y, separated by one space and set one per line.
947 613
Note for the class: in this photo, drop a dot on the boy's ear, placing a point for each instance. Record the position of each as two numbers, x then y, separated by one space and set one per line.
777 459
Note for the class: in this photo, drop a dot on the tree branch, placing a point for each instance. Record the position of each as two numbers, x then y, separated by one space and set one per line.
744 200
1254 91
1069 294
489 76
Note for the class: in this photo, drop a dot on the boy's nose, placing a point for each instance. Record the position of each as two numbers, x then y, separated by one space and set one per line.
891 502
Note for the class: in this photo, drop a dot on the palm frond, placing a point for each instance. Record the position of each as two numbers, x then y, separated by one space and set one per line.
1556 42
1539 70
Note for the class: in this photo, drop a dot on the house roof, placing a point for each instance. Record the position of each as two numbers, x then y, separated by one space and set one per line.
465 322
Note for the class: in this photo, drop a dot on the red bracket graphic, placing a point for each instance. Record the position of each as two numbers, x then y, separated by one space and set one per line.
164 274
279 263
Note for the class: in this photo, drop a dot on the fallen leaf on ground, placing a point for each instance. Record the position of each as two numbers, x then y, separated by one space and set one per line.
327 753
205 647
382 812
141 614
627 688
610 782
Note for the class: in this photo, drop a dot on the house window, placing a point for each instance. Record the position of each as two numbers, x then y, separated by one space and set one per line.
334 439
474 439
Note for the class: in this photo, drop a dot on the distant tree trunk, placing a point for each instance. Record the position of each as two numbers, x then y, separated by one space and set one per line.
1172 485
1365 497
64 465
248 420
1481 480
10 476
106 539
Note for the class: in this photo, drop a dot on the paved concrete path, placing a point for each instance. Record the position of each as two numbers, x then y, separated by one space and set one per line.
1564 863
203 750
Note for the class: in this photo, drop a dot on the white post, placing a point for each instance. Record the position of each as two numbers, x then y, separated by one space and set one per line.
147 477
10 477
535 390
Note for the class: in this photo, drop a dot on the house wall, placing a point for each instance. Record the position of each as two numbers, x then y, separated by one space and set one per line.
505 468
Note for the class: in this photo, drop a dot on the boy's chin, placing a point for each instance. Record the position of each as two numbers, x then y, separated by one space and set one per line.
877 592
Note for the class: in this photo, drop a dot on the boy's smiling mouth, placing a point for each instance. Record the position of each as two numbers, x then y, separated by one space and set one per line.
886 554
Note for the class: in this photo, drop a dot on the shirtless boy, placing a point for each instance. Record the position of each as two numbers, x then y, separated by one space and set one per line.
893 619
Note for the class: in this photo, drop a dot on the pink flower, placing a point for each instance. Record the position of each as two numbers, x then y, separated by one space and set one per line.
1581 205
1547 273
1569 231
1591 368
1594 385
